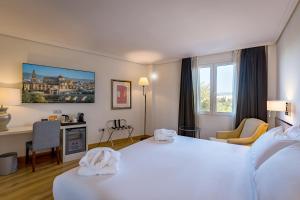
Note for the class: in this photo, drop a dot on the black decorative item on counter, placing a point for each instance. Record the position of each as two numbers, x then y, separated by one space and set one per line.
80 117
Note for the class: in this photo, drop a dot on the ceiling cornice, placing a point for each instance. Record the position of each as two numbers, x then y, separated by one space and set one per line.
288 14
57 45
216 52
125 60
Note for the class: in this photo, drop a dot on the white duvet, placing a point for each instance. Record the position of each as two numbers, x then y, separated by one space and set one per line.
187 169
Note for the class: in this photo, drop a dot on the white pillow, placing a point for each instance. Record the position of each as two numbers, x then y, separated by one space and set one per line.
278 178
250 127
268 144
293 132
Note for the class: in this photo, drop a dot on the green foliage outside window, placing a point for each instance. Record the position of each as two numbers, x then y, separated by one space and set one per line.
224 103
204 97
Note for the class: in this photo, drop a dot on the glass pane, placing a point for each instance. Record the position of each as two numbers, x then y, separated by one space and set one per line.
205 89
224 88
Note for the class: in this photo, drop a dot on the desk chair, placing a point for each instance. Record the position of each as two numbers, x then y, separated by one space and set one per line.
45 135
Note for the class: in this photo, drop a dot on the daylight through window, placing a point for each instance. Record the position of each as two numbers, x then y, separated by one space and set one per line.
217 88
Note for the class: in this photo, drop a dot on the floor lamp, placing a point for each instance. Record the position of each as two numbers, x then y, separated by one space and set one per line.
144 82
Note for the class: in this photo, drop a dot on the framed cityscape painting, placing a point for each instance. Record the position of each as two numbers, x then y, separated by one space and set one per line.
45 84
120 94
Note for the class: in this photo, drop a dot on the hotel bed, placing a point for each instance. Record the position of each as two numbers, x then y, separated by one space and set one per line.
188 168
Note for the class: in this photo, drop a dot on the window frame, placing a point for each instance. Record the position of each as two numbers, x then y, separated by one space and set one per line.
210 66
213 88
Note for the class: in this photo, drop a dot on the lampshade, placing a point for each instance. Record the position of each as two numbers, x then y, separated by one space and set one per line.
279 106
10 97
143 81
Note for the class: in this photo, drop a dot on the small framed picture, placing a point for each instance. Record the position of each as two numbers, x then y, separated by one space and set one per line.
120 94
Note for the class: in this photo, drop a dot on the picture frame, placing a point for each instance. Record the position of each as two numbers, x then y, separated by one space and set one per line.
120 94
49 84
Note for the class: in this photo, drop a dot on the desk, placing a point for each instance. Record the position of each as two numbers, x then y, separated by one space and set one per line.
17 130
73 144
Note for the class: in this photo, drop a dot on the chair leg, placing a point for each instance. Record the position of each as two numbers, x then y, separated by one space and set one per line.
33 161
52 152
58 155
27 155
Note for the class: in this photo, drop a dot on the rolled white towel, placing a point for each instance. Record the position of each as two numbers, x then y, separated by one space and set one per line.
99 161
165 135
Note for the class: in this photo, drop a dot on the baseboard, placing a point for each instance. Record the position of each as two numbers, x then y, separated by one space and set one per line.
122 140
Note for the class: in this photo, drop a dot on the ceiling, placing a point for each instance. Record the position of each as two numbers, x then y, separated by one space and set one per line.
147 31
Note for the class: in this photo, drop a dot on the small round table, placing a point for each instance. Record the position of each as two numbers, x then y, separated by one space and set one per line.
194 130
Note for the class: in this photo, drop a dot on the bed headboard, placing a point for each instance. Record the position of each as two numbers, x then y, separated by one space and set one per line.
281 122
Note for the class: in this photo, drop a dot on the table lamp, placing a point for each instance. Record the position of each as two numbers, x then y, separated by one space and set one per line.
8 97
144 82
278 106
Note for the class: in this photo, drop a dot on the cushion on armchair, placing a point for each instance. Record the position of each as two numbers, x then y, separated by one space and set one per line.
246 133
261 129
250 127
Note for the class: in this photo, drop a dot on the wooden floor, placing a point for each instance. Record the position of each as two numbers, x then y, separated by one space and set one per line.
38 185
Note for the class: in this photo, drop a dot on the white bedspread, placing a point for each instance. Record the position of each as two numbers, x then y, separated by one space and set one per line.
187 169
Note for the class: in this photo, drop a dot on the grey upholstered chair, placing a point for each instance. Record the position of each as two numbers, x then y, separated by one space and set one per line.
45 135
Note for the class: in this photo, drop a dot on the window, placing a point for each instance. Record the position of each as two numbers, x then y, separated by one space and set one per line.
217 88
224 90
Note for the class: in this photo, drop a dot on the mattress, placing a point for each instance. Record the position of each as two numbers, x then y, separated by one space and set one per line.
188 168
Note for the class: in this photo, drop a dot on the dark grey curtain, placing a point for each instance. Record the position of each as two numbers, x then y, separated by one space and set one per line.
253 83
186 99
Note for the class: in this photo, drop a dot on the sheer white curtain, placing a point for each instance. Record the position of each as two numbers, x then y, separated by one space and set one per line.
236 61
198 61
196 88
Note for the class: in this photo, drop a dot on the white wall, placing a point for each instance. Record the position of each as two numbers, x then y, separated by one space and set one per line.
272 80
210 124
272 72
165 95
288 52
13 52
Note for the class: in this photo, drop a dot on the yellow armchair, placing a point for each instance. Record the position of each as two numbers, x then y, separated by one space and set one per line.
246 133
231 134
